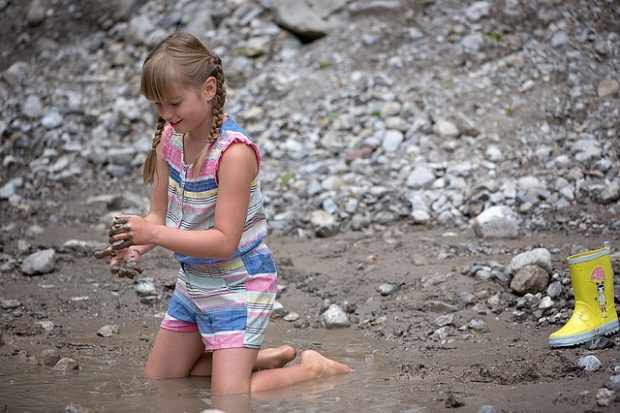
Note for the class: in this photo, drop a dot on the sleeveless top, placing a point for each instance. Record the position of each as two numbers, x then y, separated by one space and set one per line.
192 199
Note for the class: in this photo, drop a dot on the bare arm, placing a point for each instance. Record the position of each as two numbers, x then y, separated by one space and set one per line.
238 168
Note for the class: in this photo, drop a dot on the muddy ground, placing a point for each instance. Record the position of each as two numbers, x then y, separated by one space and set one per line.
509 366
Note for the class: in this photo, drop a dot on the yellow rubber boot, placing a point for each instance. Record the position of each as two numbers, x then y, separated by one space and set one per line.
595 310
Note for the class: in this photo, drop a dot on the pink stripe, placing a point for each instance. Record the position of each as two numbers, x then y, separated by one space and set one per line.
262 283
179 326
226 340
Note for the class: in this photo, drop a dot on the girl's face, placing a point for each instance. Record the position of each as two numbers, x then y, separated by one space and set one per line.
188 109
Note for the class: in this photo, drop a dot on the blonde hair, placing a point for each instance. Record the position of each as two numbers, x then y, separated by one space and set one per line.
180 59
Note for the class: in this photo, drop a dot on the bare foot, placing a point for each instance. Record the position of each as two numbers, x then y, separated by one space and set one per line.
272 358
322 366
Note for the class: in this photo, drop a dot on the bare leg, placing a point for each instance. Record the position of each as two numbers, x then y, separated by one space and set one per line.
269 358
232 371
173 354
190 358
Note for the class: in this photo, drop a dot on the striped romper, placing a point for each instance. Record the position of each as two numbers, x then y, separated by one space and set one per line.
229 302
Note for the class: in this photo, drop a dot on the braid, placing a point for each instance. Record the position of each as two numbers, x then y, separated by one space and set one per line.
217 114
219 101
151 159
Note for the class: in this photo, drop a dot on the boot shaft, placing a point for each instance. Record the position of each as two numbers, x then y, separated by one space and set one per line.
593 282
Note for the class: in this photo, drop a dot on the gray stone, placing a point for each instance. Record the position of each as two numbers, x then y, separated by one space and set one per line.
41 262
324 223
608 87
9 304
108 330
559 39
145 287
605 397
487 409
300 19
66 364
446 129
36 12
334 317
49 357
537 256
16 73
386 289
589 363
51 120
614 382
496 222
392 140
292 316
32 107
478 10
422 176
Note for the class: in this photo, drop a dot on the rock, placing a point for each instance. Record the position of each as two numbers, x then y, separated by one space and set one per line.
32 107
51 120
297 17
610 193
145 287
49 357
83 247
559 39
36 13
496 222
46 325
8 190
487 409
422 176
108 330
478 325
324 223
443 321
555 289
334 317
41 262
608 87
472 43
290 317
478 10
445 129
589 363
9 304
436 306
530 278
66 364
537 256
604 397
16 73
614 382
278 310
392 140
386 289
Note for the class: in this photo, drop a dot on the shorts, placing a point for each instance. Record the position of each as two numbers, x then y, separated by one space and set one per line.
229 304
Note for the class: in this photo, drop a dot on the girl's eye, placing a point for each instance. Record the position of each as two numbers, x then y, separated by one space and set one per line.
175 103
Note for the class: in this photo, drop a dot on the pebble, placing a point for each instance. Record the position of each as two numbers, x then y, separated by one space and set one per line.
41 262
334 317
108 330
589 363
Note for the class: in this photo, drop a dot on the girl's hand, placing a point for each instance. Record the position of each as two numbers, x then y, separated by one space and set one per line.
120 257
136 231
124 262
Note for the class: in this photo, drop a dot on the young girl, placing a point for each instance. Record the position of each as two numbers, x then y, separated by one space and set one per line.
207 207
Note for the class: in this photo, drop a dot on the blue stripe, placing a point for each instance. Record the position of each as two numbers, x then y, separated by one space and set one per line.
187 260
231 125
196 186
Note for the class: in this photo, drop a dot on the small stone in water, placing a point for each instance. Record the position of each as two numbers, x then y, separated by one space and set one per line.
49 357
291 317
107 331
66 363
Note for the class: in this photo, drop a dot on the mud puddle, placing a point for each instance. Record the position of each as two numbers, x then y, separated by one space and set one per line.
114 382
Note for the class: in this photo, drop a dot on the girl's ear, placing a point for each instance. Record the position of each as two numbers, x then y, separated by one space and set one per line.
209 88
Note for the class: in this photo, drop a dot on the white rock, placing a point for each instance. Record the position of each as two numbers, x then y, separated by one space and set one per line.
498 221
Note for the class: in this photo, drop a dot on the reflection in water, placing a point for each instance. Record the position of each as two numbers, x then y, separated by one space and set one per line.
116 385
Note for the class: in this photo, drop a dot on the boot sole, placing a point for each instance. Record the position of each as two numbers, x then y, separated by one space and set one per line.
605 329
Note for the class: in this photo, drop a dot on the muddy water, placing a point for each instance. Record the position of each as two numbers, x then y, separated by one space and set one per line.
115 384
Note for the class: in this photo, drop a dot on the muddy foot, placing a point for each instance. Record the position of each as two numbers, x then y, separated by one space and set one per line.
322 366
271 358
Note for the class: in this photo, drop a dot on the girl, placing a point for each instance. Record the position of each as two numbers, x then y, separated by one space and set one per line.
207 207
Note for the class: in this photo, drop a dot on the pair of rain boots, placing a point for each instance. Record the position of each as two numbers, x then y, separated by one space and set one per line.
595 310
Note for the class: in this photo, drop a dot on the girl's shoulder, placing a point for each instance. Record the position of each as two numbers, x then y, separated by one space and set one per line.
231 133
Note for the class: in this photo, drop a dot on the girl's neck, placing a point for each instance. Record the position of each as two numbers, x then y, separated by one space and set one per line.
202 133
